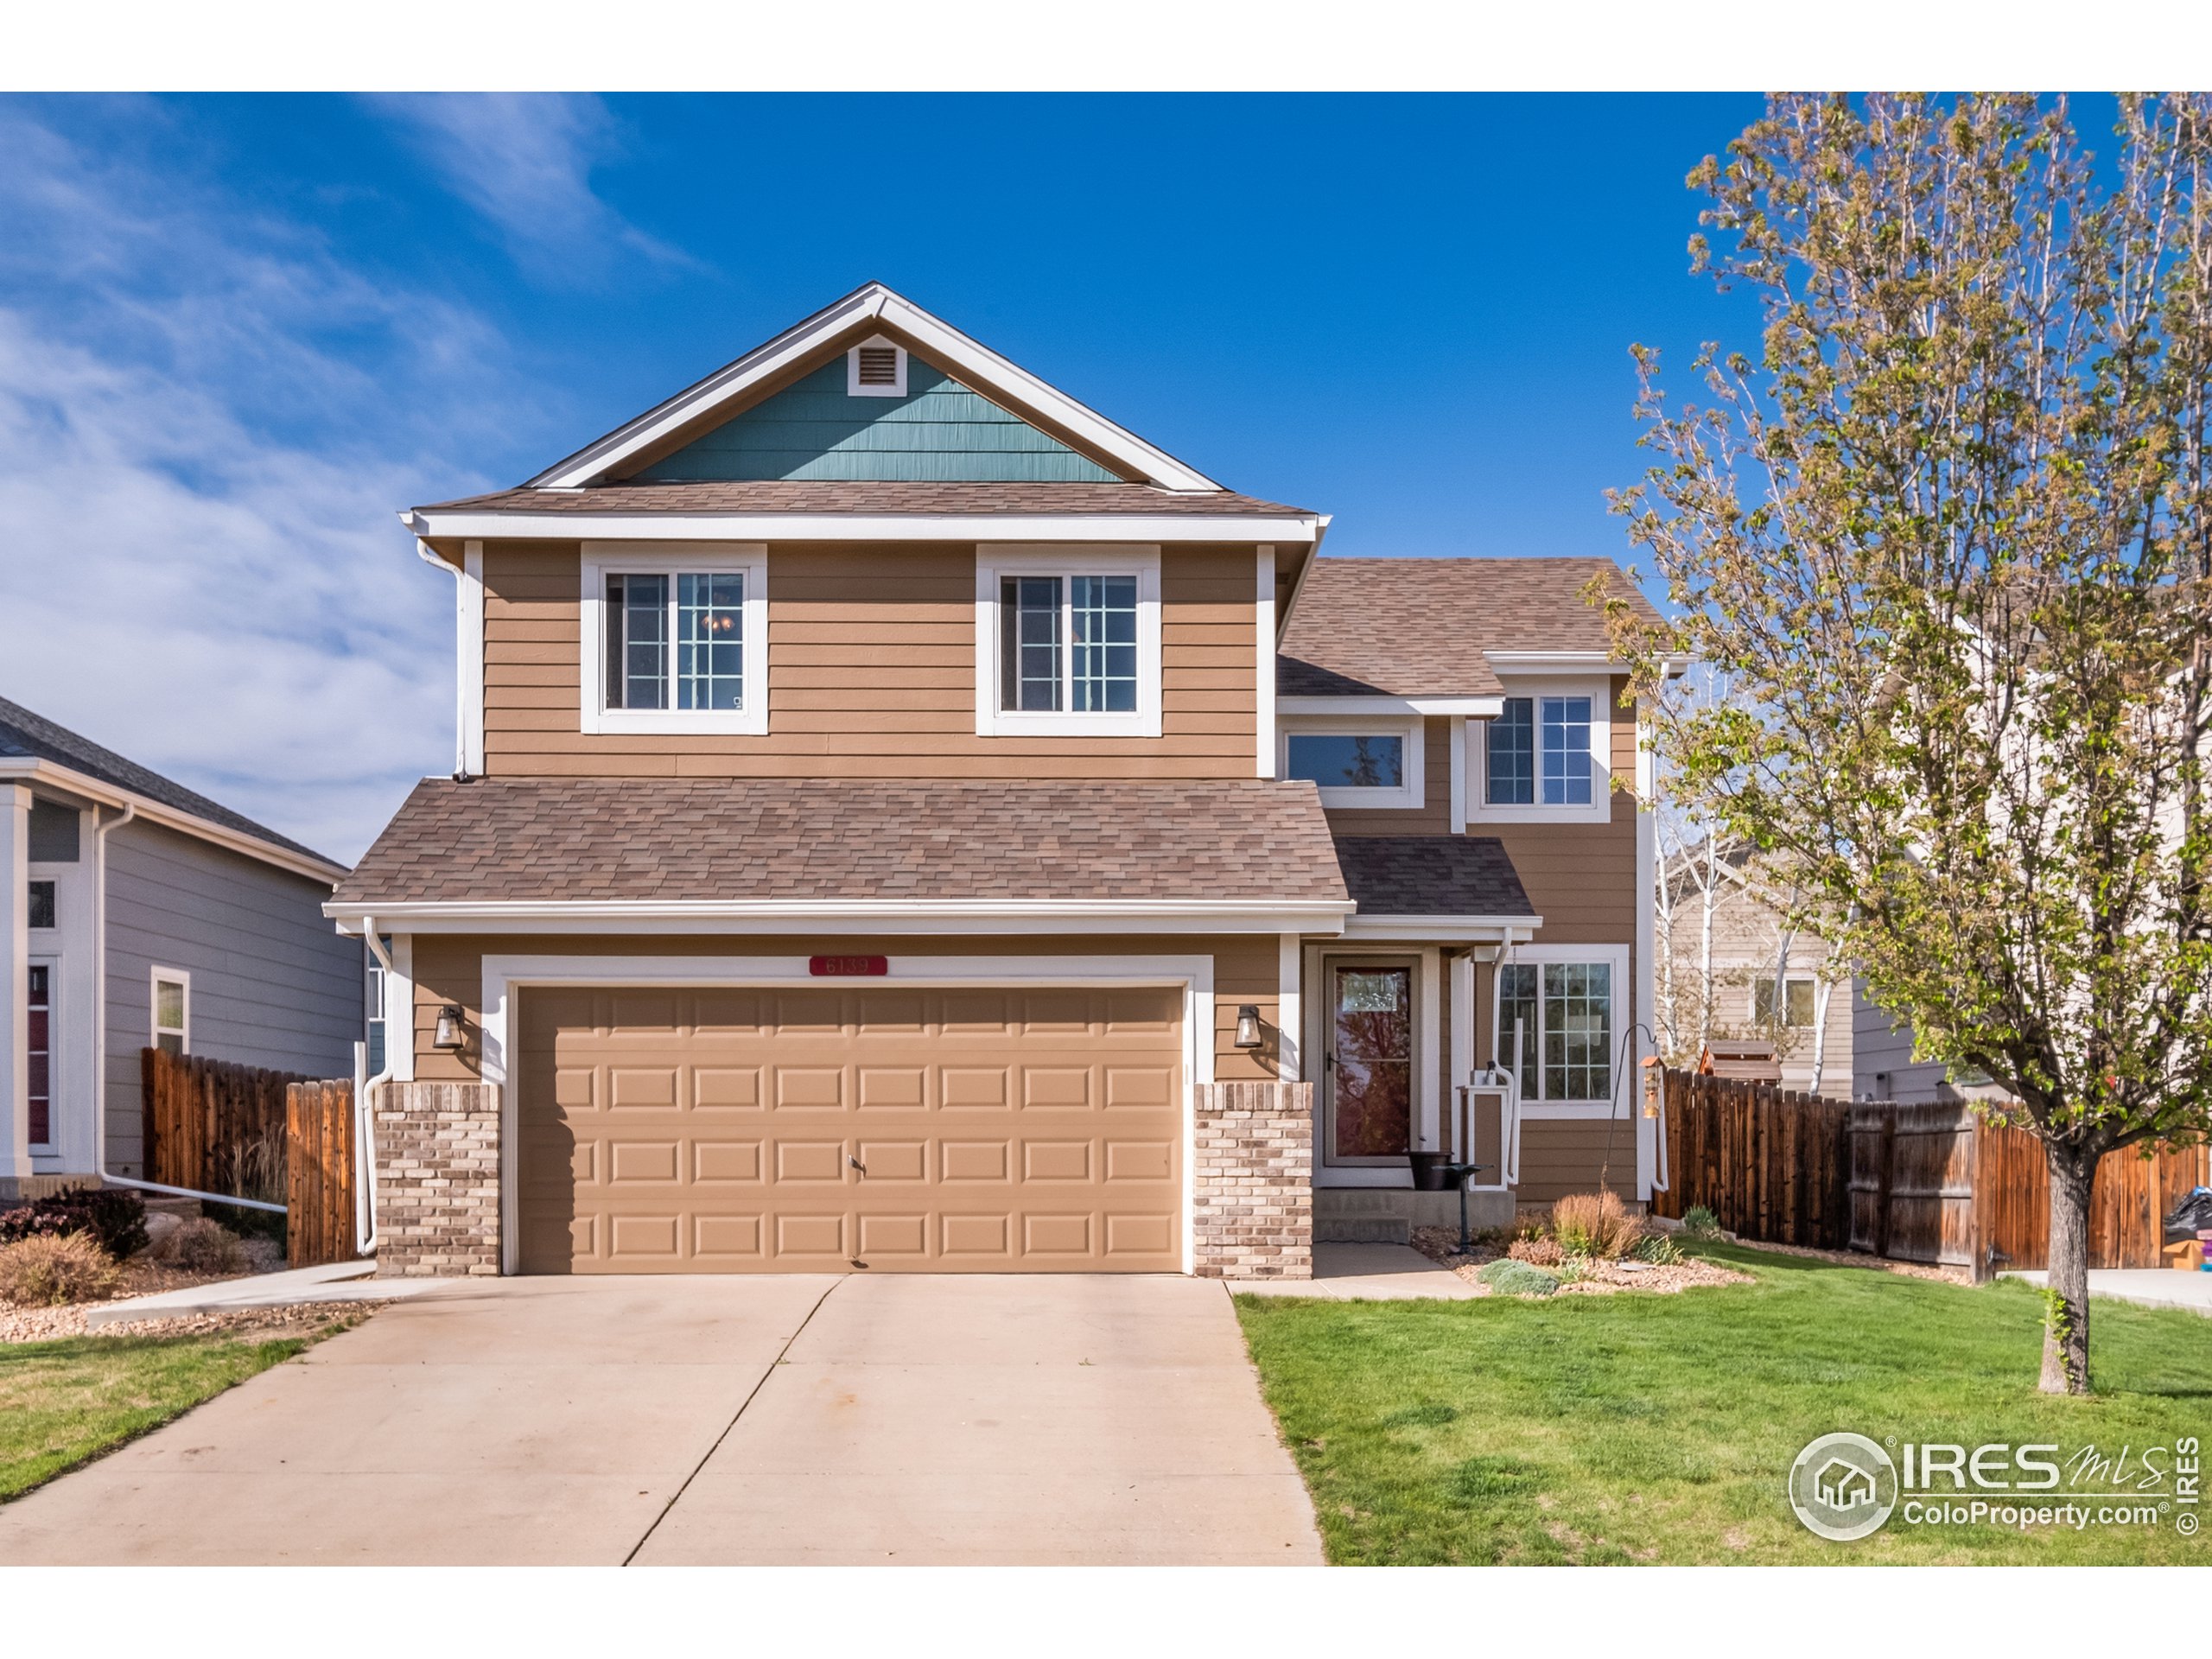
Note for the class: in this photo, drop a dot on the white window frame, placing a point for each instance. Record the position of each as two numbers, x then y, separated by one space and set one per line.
1620 1061
1412 789
673 559
853 386
1599 690
993 565
156 1029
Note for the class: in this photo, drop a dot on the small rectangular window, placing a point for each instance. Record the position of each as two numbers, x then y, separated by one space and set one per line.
1029 644
1567 751
39 1000
1334 761
172 1013
41 905
1512 749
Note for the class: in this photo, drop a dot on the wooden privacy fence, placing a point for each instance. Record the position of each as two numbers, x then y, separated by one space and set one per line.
1934 1184
1770 1163
215 1126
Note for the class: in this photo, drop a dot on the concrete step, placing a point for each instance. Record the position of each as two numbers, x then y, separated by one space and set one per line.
1364 1230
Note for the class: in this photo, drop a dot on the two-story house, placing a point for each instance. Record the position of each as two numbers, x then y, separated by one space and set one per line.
888 791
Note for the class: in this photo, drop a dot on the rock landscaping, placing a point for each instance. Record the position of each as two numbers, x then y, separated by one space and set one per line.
1591 1246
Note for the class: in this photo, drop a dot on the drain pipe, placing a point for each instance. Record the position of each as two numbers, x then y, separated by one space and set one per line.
366 1235
108 1177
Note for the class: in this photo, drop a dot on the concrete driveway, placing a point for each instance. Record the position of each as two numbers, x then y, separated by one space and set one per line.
908 1419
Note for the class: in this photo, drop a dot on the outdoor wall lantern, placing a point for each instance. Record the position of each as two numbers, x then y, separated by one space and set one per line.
1249 1035
450 1033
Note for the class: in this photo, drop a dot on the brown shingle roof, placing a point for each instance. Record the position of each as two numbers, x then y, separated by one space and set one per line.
834 495
1432 875
1419 628
678 841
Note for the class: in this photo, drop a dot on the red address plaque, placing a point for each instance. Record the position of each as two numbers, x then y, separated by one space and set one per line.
847 967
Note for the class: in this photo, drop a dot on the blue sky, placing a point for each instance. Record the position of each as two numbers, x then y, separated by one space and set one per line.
237 335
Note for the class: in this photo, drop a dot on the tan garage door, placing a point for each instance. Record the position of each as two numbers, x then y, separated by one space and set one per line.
803 1131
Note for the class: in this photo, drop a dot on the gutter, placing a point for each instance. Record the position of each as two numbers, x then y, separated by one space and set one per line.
108 1177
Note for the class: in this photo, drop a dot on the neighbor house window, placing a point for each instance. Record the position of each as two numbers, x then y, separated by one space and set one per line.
171 1011
676 643
41 905
1796 1002
1565 1010
1068 645
40 1053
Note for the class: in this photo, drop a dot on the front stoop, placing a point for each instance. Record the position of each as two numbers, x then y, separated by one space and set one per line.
1387 1215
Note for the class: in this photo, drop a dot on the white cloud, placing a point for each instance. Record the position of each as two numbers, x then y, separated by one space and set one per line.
201 457
524 160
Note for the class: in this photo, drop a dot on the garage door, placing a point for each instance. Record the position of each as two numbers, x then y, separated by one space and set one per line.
805 1130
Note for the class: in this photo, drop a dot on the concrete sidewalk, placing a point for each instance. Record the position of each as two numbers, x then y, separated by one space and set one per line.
1358 1272
2145 1286
1013 1419
334 1281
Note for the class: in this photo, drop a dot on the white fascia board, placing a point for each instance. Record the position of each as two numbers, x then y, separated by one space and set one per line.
1553 662
68 782
1444 930
986 369
819 916
1478 708
865 526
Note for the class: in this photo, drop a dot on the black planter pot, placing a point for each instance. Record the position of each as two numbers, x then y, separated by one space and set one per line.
1431 1171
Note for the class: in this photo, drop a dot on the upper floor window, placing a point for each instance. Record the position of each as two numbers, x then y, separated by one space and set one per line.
1544 757
675 640
1067 642
1797 1000
1355 762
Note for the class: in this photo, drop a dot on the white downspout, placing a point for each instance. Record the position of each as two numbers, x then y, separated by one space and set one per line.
108 1177
366 1235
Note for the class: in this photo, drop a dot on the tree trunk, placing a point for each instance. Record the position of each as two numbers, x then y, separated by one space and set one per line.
2066 1325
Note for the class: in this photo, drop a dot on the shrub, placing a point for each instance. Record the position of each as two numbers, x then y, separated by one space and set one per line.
1701 1222
1537 1252
1594 1224
1659 1250
203 1246
46 1269
115 1217
1511 1278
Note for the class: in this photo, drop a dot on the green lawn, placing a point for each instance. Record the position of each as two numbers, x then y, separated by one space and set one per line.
61 1402
1662 1428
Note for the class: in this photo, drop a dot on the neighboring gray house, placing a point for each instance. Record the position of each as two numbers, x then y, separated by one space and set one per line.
134 913
1882 1066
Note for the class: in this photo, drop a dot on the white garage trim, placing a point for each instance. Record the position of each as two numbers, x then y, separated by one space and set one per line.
505 975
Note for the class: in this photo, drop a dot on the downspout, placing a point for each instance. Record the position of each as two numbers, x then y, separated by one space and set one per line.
108 1177
366 1235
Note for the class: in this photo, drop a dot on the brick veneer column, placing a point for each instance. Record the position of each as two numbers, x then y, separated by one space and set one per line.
437 1179
1253 1191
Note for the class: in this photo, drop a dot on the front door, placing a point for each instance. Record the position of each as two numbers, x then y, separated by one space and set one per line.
1369 1061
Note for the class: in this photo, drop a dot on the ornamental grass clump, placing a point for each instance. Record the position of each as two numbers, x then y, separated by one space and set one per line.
203 1246
1595 1225
1510 1278
50 1269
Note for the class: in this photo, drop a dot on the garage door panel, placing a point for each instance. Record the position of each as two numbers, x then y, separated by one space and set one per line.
998 1130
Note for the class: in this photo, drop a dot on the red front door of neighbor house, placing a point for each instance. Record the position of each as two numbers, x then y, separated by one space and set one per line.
1370 1060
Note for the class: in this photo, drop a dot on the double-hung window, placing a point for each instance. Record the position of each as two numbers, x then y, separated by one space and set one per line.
1543 757
675 640
1566 1008
1068 642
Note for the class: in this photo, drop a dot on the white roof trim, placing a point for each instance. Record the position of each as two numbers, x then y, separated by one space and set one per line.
988 370
70 781
1479 708
476 524
848 916
1448 930
1550 662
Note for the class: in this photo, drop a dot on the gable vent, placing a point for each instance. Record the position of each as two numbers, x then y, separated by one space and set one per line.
876 368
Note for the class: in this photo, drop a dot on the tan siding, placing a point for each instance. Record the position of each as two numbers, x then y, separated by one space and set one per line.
871 674
1560 1155
450 968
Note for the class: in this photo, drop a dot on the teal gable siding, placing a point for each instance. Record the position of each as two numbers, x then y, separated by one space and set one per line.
940 432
